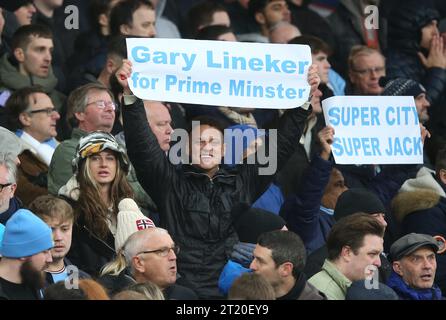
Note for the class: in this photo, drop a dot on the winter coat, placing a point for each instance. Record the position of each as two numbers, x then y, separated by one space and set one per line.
32 174
11 79
420 206
196 209
404 38
302 211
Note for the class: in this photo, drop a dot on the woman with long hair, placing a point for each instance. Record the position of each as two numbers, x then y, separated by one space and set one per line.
98 185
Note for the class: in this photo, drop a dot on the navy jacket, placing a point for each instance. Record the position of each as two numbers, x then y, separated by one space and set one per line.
302 210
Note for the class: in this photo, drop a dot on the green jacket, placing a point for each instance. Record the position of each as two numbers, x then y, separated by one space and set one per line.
11 79
60 171
331 282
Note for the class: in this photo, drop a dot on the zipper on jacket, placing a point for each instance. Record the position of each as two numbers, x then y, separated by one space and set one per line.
99 239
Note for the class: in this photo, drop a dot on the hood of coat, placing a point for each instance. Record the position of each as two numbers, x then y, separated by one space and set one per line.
161 4
425 180
70 189
404 28
420 193
405 203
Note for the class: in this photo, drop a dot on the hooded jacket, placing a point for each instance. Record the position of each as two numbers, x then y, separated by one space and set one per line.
404 37
11 79
420 206
196 209
164 27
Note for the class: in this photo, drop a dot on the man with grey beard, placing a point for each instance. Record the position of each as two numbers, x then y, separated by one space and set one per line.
25 254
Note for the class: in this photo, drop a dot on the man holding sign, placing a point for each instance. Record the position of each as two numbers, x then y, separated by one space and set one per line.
195 201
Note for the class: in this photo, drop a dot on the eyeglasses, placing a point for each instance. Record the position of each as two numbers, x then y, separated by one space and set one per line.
48 111
2 186
163 252
101 104
369 71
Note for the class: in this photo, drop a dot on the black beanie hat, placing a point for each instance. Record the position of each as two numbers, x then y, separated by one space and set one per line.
357 200
13 5
401 87
252 222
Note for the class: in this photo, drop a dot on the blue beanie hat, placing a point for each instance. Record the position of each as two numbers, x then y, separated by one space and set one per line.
2 231
25 235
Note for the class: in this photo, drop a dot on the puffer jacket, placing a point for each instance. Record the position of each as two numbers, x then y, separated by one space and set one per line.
404 37
196 209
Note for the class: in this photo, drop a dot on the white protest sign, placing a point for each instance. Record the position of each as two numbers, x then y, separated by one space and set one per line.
374 130
220 73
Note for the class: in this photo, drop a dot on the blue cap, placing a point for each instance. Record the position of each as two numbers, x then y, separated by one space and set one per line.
25 235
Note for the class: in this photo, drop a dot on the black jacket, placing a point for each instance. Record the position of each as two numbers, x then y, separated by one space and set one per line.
404 39
347 27
88 252
196 209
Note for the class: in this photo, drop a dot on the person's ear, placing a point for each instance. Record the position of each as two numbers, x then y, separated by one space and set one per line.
286 269
138 264
124 29
103 20
110 65
80 116
25 119
13 189
397 268
351 77
346 253
19 54
260 18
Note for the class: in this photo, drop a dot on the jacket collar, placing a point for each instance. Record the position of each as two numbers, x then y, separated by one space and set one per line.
222 172
336 275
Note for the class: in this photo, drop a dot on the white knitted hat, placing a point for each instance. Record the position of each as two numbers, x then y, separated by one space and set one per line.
130 220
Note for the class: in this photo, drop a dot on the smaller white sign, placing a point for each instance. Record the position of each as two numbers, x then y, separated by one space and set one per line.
374 129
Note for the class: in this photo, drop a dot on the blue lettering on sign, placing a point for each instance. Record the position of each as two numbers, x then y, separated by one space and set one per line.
356 146
353 116
407 146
